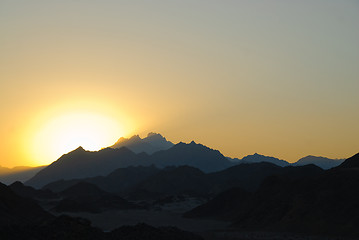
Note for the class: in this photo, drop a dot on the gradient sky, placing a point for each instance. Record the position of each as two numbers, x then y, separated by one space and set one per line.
280 78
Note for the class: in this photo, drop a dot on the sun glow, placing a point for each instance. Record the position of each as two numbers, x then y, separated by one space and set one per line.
68 131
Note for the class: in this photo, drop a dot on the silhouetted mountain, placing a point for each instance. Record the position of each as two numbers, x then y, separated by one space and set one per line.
29 192
22 174
173 181
246 176
192 154
225 206
323 162
119 181
86 197
325 203
152 183
256 158
83 189
154 142
190 181
328 206
16 210
352 162
82 164
250 176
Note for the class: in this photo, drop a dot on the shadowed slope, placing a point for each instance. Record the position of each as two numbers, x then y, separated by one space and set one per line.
153 183
194 155
86 197
16 210
29 192
325 203
352 162
84 164
225 206
172 181
81 164
119 181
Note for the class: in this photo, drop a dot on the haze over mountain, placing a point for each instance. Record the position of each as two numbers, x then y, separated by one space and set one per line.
323 162
154 142
20 173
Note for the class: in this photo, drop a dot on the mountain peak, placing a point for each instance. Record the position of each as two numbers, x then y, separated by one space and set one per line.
256 158
135 137
153 134
79 149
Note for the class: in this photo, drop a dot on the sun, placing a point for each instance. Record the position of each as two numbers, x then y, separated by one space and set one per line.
67 131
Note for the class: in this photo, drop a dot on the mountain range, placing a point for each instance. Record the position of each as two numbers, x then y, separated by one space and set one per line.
135 151
256 193
83 164
323 162
325 203
151 183
156 142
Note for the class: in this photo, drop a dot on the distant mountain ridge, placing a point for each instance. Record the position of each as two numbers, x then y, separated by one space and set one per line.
323 162
192 154
256 158
83 164
20 173
154 142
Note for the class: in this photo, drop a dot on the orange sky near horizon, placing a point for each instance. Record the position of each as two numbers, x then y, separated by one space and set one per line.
274 77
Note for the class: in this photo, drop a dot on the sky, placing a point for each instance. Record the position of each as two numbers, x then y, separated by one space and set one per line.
274 77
